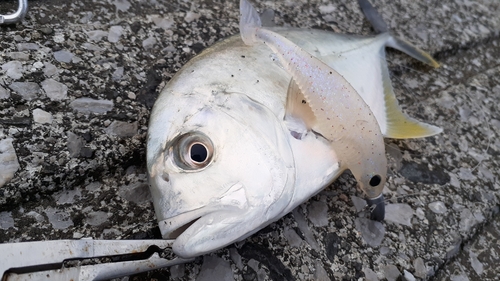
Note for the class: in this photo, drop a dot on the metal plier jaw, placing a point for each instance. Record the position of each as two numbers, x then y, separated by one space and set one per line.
18 15
84 259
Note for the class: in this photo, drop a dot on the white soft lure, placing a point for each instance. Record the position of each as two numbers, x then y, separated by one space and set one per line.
238 138
341 114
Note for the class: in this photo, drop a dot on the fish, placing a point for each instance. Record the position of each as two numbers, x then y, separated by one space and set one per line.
235 139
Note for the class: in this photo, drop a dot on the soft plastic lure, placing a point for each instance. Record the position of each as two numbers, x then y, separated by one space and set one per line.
340 113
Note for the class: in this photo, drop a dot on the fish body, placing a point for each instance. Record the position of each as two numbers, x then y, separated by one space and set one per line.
333 107
224 160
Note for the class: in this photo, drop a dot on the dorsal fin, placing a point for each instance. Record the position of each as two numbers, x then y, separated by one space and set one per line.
297 105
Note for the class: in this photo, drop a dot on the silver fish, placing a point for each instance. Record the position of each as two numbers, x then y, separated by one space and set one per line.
233 140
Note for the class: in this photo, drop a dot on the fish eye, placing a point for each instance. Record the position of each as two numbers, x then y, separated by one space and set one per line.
375 180
192 151
198 152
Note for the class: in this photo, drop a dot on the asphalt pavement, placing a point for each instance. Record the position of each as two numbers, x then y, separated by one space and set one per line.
78 80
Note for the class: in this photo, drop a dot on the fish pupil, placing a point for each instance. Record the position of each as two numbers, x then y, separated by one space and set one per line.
375 180
198 153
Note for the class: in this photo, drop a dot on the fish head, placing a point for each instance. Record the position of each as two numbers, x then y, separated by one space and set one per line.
220 168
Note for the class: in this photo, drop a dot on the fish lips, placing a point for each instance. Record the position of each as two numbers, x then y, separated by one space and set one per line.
173 227
208 228
204 230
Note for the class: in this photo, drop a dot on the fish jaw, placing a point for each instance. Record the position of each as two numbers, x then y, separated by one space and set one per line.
247 184
233 199
218 227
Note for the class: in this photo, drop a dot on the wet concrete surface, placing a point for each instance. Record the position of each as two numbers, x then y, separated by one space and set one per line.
82 162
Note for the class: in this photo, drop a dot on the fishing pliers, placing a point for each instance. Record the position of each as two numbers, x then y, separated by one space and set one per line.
17 16
84 259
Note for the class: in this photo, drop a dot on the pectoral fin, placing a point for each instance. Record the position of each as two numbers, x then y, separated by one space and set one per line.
399 125
297 105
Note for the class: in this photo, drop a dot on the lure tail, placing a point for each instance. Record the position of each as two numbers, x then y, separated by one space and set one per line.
249 22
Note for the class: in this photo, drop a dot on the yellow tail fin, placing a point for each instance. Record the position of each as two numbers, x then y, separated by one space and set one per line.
399 125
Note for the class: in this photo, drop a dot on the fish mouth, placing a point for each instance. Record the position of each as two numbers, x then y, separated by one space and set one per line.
177 232
173 227
234 198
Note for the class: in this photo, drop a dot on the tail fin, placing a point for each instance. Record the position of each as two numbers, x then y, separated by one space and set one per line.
398 125
373 16
411 50
249 22
399 44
